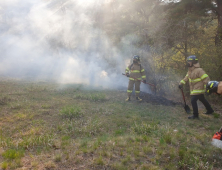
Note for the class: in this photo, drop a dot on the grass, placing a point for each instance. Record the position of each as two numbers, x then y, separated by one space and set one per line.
53 126
96 97
13 154
71 112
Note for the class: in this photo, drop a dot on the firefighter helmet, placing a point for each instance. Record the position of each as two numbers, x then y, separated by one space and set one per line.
192 58
212 87
136 58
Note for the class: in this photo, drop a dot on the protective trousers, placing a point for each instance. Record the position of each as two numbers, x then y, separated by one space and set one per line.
131 85
200 97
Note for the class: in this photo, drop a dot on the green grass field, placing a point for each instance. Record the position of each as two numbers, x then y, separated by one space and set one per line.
46 125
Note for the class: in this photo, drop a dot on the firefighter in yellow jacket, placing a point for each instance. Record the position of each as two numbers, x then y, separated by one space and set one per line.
136 74
214 87
197 80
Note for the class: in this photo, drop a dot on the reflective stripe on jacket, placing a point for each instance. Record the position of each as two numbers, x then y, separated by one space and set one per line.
136 71
197 79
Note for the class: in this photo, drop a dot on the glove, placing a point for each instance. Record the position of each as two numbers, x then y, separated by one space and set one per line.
127 75
180 86
144 81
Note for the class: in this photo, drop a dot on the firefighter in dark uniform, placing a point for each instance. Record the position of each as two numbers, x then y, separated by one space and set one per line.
214 87
136 74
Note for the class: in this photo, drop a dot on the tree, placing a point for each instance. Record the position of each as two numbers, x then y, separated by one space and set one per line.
218 11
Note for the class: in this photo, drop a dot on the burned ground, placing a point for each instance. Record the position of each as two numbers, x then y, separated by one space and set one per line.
158 100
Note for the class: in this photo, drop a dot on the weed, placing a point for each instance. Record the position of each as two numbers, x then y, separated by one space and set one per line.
119 132
145 138
162 141
91 128
143 128
172 153
97 97
13 154
64 138
119 166
136 152
4 165
21 116
84 144
50 165
216 115
34 163
59 128
79 96
182 151
5 142
58 157
105 153
45 106
32 141
71 112
16 163
4 100
147 150
160 152
167 137
94 97
149 167
16 106
99 161
126 160
182 165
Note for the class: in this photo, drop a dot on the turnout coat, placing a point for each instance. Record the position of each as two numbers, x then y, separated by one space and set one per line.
197 79
219 88
136 72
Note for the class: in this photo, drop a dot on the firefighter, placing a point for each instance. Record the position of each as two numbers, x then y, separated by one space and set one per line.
214 87
136 74
197 82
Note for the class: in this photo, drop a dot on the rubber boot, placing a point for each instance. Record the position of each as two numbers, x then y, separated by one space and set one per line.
193 117
139 99
209 112
128 99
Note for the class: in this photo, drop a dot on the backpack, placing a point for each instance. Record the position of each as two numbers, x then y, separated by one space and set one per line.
218 136
132 66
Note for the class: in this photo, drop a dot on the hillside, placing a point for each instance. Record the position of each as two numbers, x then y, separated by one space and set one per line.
45 125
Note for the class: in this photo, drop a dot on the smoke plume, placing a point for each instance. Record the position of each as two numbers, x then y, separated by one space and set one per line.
57 40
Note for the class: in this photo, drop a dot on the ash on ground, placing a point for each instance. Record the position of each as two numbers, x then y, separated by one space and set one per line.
158 100
152 98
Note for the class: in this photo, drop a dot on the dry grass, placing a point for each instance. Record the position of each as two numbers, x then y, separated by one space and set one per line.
44 125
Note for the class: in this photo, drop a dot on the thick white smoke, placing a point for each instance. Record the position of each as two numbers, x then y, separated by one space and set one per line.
57 39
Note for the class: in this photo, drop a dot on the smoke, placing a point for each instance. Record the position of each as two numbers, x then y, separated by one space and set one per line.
57 40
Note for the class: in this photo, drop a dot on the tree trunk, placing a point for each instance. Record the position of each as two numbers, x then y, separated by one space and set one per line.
218 38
